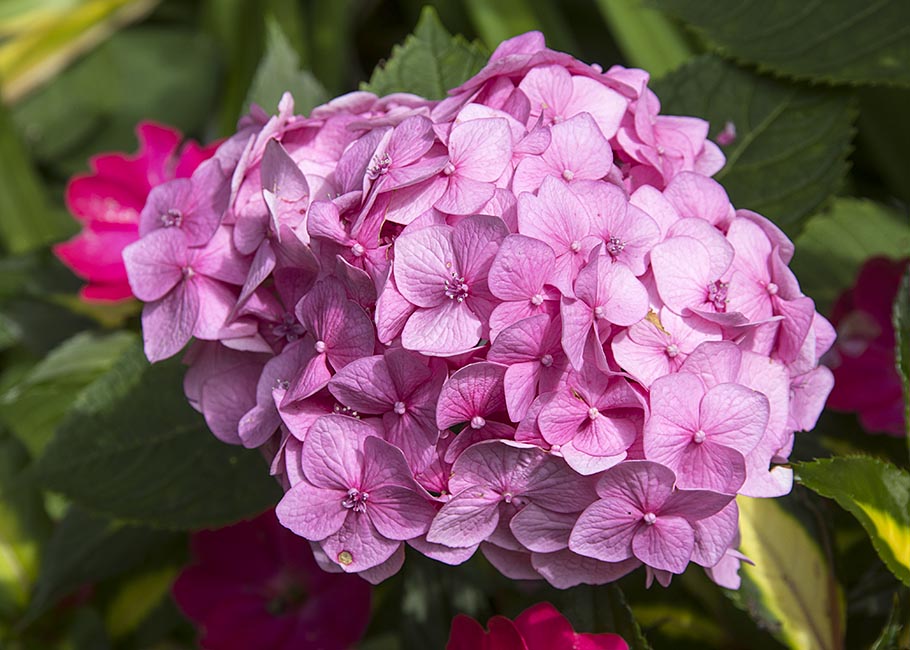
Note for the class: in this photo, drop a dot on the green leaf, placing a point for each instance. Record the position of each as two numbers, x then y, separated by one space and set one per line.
790 152
837 41
647 38
896 633
791 585
24 526
875 492
28 221
86 548
34 406
498 21
141 73
835 243
429 63
902 337
138 598
279 71
133 449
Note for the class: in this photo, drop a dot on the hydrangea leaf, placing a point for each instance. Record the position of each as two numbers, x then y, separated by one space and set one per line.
429 62
28 221
902 334
835 243
137 598
24 526
836 41
790 151
133 449
88 548
875 492
791 587
35 405
279 71
898 623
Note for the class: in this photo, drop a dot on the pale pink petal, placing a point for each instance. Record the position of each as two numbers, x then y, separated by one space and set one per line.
466 519
168 323
424 262
666 545
312 512
605 531
450 328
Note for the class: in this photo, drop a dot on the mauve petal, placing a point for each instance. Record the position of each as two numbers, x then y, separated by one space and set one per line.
464 195
365 386
734 416
541 530
666 545
155 263
521 267
466 519
475 241
714 535
475 389
480 149
333 451
447 329
604 531
709 466
382 571
694 504
515 565
167 324
358 546
424 262
313 512
400 513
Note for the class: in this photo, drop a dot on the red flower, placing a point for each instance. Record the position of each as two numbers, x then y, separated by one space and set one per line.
865 376
108 201
540 627
256 585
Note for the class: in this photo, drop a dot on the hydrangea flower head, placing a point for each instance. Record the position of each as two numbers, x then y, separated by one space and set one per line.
522 320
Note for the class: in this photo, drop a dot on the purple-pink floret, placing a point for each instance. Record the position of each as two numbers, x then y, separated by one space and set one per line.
523 320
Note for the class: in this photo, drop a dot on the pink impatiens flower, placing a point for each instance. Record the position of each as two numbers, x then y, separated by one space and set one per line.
866 379
108 201
277 598
540 627
357 498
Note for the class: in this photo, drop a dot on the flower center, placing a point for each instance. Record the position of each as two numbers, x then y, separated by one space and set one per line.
717 295
173 217
599 312
615 246
772 288
356 500
358 249
456 288
282 384
400 408
649 518
288 328
537 299
379 166
478 422
341 409
593 413
320 347
546 360
672 350
568 174
575 246
449 169
699 437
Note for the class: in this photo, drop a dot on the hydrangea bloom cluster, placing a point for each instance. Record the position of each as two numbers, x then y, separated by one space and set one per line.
523 320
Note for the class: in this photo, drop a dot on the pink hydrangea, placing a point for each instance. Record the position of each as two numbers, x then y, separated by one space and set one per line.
523 320
108 202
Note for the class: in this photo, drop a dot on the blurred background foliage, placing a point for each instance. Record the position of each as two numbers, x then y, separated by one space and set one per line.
819 93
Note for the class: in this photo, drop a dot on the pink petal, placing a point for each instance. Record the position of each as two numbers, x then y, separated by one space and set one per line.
605 531
168 323
667 545
466 519
481 149
313 512
424 262
448 329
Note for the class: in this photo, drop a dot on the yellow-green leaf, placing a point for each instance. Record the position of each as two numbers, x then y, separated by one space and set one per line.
136 599
875 492
791 580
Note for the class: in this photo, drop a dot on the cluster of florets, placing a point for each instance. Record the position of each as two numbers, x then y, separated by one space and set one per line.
523 319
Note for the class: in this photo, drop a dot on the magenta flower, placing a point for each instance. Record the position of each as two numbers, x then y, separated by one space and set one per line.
108 201
703 435
277 597
866 379
443 272
641 515
358 498
540 627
